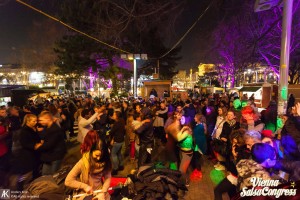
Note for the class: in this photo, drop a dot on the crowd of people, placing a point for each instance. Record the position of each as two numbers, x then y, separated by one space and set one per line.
227 128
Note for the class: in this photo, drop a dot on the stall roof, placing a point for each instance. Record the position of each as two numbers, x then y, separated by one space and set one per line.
249 89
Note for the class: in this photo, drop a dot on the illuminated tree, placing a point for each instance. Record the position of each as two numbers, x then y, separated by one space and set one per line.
294 70
245 39
125 24
266 29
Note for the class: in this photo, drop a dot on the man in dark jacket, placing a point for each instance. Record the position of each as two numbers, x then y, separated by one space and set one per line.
189 112
54 147
145 132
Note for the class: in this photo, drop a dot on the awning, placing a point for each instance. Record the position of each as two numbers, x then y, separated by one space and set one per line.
249 89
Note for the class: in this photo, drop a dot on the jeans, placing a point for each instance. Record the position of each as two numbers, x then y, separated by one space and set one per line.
50 168
144 155
116 155
184 165
224 186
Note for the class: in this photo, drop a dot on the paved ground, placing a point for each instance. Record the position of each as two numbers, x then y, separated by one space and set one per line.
202 189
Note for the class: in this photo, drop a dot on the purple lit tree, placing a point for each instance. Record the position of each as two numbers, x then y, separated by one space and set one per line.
244 39
267 30
231 53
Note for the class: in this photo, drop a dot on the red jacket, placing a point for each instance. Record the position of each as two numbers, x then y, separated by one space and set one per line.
3 145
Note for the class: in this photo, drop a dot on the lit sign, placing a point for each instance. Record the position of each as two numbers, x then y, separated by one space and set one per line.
36 77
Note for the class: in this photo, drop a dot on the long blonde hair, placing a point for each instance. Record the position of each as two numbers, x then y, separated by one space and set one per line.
27 118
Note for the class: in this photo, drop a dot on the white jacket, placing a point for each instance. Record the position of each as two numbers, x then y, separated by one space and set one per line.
158 121
84 126
219 126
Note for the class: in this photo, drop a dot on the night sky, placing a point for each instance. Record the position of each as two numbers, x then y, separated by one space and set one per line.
16 20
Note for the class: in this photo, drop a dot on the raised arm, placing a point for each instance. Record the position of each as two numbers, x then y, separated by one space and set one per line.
90 120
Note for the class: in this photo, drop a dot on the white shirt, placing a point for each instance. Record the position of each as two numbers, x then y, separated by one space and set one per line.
219 126
84 126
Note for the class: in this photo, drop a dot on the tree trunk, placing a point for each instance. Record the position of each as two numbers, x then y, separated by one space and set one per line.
232 82
115 85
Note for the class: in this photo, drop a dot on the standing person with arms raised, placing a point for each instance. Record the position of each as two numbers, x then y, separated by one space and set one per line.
85 122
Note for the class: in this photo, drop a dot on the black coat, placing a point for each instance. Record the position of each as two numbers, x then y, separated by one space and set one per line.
145 133
117 132
291 127
227 129
15 123
54 147
291 167
25 159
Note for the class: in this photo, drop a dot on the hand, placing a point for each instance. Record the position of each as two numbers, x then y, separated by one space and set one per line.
88 190
146 120
233 151
112 142
37 145
298 108
100 196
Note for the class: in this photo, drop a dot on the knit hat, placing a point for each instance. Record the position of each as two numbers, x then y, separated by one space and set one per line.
262 151
267 133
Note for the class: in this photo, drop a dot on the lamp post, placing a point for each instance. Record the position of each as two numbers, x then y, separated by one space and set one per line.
134 57
261 5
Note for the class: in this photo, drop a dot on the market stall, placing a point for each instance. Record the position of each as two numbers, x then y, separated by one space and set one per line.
263 93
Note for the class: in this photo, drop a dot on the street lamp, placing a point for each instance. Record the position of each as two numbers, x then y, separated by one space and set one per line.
134 57
261 5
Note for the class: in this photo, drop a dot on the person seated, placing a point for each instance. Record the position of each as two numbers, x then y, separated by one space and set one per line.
94 172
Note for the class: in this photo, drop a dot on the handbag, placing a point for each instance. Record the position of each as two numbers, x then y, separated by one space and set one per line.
216 128
219 146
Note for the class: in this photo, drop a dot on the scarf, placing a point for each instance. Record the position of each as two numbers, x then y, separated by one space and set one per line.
84 177
231 122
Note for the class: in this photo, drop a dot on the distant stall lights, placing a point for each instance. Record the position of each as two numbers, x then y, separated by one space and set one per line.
35 78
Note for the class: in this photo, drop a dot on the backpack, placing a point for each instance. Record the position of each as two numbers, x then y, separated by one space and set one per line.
51 187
